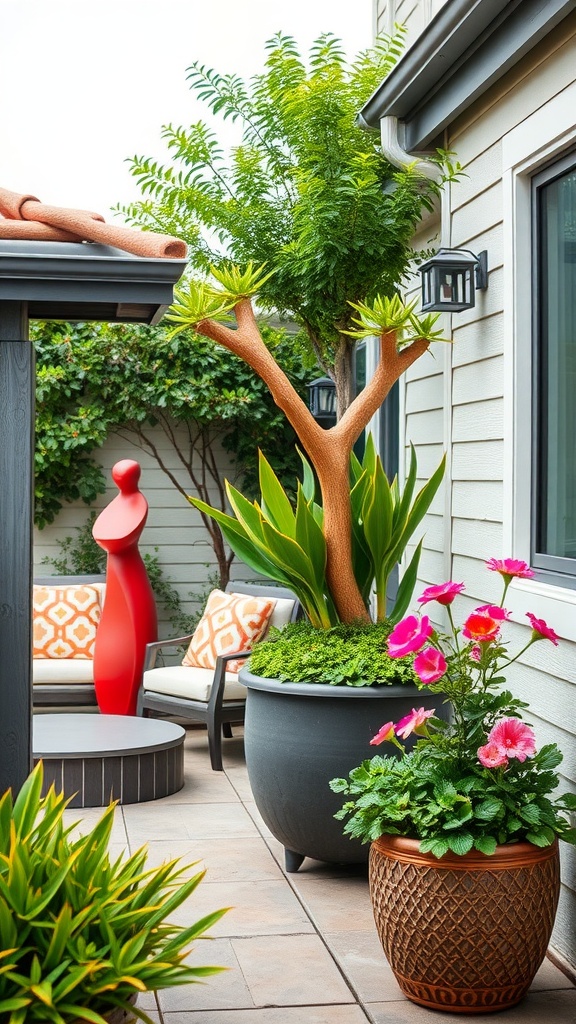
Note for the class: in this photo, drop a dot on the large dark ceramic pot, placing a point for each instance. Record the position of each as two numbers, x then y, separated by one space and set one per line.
464 934
298 736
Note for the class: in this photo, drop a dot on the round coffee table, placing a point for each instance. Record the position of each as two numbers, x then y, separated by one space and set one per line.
98 758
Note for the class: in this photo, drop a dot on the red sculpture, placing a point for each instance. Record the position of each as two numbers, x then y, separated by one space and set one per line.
128 620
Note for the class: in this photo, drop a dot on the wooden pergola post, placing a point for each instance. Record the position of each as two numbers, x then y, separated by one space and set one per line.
16 519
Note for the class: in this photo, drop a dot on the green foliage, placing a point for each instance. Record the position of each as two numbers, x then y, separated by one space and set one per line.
287 544
307 192
81 934
452 804
476 781
351 655
99 379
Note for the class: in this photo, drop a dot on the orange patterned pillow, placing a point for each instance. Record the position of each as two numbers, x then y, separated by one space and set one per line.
231 622
65 620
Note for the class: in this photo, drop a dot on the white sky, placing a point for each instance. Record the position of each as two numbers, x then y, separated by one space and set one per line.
85 84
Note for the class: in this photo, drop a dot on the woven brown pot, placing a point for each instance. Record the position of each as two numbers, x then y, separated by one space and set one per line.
464 934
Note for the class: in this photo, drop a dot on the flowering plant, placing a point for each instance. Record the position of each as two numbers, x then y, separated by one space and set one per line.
477 781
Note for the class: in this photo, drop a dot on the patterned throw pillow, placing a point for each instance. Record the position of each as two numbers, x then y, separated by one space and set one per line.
65 620
231 622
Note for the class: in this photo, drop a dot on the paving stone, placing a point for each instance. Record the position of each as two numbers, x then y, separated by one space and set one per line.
361 959
336 904
265 908
537 1008
161 821
273 1015
240 860
290 970
218 991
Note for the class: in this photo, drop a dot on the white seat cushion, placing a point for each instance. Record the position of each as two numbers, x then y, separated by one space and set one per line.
62 670
191 683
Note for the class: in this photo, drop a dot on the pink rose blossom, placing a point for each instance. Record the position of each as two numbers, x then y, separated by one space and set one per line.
383 734
513 738
492 757
444 593
495 611
509 567
415 722
430 665
409 636
541 630
481 627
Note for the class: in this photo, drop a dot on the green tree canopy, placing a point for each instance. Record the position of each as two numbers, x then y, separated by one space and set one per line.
306 192
95 379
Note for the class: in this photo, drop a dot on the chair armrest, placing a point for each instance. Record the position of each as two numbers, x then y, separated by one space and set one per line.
153 649
219 679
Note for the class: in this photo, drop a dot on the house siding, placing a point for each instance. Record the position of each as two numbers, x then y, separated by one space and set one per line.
463 403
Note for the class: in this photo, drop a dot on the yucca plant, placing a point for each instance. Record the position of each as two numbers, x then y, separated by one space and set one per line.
81 935
288 545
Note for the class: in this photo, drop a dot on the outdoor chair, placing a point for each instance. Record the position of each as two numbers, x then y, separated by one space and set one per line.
66 679
212 696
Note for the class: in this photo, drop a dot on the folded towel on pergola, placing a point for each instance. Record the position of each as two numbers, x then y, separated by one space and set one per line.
25 217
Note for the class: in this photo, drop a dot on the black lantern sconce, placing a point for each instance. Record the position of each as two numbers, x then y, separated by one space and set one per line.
449 279
322 401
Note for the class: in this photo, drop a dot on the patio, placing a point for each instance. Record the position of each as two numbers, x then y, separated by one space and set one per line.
300 948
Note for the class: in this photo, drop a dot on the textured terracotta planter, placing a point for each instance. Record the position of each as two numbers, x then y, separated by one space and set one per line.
464 934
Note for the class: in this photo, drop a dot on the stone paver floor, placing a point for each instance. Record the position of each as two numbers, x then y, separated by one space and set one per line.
301 948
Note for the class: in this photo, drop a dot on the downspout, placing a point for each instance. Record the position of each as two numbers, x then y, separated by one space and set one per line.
396 155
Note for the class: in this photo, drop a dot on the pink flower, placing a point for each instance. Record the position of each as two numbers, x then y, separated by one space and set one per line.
492 757
476 652
513 738
481 627
414 722
383 734
509 567
444 593
430 665
495 611
541 630
409 636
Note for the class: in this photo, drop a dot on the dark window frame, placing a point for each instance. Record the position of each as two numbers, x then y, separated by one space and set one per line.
560 570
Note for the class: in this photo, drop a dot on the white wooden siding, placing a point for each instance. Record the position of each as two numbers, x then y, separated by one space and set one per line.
465 395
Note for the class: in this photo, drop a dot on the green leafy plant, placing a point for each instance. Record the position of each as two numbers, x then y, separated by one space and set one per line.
181 401
307 193
344 655
82 934
287 543
477 781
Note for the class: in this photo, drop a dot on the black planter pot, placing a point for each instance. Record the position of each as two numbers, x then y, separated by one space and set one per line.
298 736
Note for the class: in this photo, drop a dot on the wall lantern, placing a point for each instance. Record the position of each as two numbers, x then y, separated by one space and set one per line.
322 401
449 278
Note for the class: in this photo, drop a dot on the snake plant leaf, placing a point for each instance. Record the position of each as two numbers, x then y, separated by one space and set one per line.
276 506
413 516
308 478
26 805
310 537
406 588
403 506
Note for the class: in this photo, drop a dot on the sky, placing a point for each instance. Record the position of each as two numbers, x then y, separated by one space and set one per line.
86 85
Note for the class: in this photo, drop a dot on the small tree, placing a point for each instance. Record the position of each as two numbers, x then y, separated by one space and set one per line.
308 193
97 379
404 337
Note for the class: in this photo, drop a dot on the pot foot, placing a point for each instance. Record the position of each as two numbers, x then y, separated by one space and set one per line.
292 860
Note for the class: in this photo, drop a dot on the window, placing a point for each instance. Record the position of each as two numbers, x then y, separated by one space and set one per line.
554 387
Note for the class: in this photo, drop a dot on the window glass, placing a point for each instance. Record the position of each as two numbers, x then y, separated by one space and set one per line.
554 442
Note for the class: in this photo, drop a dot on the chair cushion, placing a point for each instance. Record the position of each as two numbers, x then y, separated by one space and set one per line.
191 683
62 670
281 613
231 622
64 621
